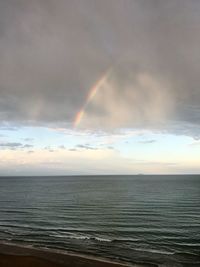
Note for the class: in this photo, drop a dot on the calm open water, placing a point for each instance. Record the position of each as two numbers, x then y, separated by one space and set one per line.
130 218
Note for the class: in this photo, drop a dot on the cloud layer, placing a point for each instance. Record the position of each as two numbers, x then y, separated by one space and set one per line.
52 52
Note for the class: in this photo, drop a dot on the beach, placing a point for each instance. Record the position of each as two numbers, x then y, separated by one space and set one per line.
21 256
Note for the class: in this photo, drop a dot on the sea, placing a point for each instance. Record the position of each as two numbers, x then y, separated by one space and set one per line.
134 219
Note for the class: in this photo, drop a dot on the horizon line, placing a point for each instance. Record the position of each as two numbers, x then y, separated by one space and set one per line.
78 175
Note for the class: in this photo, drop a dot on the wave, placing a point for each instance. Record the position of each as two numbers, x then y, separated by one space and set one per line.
121 240
7 232
78 235
100 239
154 251
81 237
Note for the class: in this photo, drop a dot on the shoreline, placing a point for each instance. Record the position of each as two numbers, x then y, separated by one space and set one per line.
21 256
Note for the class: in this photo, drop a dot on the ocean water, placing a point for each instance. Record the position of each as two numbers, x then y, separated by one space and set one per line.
152 219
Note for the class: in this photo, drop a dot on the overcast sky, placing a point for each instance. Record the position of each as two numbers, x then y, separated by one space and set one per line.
104 75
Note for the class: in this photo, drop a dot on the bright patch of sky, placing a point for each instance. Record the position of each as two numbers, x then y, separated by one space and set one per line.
40 150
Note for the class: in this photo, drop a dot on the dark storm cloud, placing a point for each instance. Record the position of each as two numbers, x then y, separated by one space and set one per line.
52 52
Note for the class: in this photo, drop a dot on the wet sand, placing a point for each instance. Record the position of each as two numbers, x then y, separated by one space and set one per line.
19 256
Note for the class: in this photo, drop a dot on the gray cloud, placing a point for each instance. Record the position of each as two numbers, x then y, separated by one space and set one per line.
28 139
48 148
27 146
30 151
196 143
61 147
87 147
7 128
147 141
52 52
14 145
110 147
73 149
11 145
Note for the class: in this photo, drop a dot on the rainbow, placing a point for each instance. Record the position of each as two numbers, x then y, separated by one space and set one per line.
91 94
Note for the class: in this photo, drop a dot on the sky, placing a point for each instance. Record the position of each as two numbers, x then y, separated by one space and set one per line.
99 87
